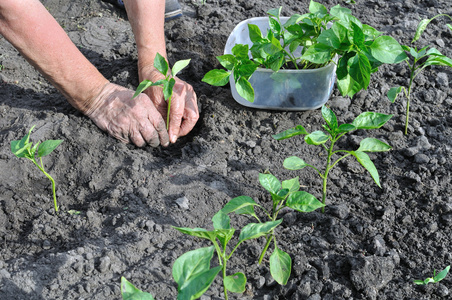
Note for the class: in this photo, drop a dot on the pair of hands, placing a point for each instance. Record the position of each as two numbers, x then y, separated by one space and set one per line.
141 120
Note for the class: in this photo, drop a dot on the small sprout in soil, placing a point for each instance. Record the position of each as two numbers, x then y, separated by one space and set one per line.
25 148
366 120
420 59
310 41
130 292
167 84
436 277
285 194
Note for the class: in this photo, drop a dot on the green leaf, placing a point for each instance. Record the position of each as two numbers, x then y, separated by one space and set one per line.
318 54
316 138
358 35
294 163
449 26
329 38
275 12
245 89
270 183
317 8
178 66
216 77
370 32
359 69
343 128
393 93
130 292
280 266
290 133
292 185
373 145
221 220
161 64
191 263
240 51
365 161
256 230
387 50
18 147
228 61
198 232
168 88
274 26
329 117
224 236
144 85
254 33
442 274
235 283
196 286
420 29
303 202
46 147
240 205
370 120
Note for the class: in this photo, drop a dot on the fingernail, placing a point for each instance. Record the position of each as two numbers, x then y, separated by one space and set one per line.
173 139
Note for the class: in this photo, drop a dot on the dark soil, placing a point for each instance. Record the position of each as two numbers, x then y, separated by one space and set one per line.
370 243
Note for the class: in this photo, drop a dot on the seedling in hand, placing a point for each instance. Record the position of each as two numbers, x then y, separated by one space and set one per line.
167 84
436 277
420 59
25 148
366 120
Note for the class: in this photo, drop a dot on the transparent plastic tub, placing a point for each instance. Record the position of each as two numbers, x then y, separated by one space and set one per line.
286 89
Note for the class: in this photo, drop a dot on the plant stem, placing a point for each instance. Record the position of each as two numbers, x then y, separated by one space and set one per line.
224 276
325 175
267 244
41 167
408 96
168 112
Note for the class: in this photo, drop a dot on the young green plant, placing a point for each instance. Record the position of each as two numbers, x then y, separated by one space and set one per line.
24 148
420 59
309 41
334 131
436 277
167 83
285 194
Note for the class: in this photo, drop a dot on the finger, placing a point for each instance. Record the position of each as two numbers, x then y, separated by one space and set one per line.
160 127
136 138
191 115
150 135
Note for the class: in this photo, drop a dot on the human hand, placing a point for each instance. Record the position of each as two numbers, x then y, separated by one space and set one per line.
136 121
184 107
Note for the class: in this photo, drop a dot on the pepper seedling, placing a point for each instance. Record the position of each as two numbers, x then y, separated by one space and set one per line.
420 59
167 83
130 292
334 131
285 194
436 277
25 148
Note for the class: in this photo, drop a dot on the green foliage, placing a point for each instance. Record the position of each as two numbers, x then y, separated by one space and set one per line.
418 60
130 292
309 41
283 194
436 277
167 84
25 149
334 131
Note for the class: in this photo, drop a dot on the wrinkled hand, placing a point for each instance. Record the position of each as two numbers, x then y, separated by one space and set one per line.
129 120
184 107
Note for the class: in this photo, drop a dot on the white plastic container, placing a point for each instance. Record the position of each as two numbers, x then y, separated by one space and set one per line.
294 90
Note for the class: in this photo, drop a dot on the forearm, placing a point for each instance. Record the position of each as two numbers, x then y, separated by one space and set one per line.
29 27
147 19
